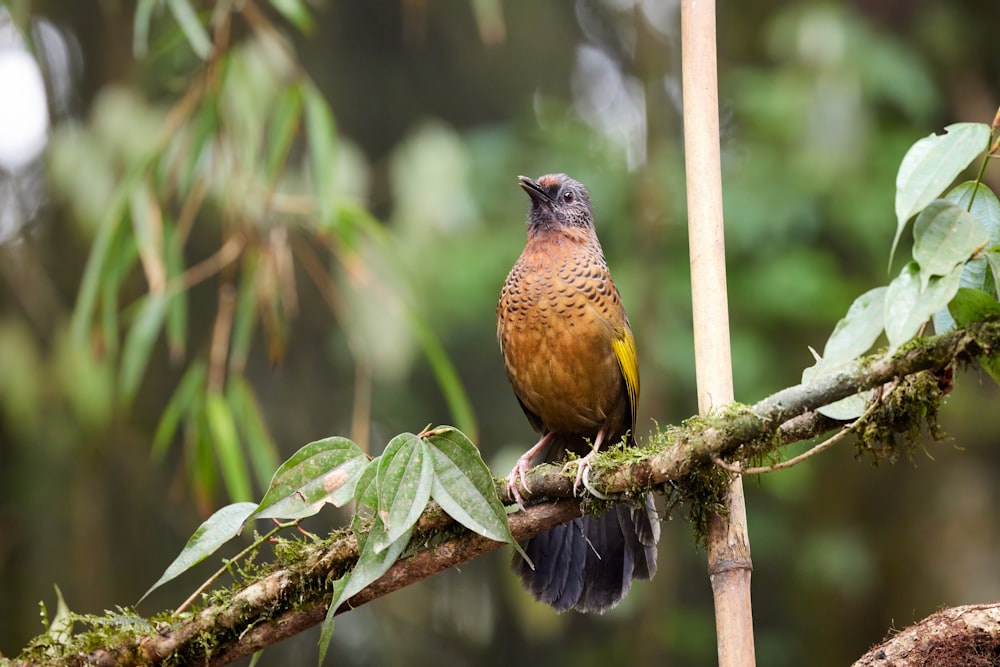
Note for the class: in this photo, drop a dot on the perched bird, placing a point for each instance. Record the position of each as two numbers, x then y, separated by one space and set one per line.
570 357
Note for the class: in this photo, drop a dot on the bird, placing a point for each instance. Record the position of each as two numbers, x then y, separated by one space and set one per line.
570 356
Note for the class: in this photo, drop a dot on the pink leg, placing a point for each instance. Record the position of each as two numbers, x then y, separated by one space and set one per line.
522 466
583 463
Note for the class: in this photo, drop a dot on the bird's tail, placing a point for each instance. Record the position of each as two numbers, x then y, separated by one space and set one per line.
589 563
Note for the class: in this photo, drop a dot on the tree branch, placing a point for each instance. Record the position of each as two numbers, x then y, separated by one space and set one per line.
968 636
292 597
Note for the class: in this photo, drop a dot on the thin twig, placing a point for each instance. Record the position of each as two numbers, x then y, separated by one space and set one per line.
795 460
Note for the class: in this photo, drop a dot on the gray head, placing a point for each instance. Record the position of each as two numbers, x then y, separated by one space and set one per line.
557 201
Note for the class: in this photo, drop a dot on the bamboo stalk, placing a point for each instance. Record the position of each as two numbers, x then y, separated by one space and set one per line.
729 564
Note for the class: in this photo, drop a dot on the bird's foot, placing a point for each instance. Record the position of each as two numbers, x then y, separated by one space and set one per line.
582 465
522 466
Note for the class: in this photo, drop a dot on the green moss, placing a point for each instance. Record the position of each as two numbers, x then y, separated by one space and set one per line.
894 429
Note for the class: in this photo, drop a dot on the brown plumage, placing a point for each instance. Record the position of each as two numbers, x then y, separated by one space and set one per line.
570 357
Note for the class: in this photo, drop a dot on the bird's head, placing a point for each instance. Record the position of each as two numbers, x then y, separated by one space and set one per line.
557 201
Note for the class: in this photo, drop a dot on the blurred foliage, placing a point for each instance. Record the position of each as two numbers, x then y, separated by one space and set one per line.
271 222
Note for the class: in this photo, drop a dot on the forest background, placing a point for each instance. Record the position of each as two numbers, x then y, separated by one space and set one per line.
437 107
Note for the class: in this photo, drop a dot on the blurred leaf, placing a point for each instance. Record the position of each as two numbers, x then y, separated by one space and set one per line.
295 12
260 445
192 382
90 284
944 236
463 486
931 165
284 123
321 133
140 26
445 374
218 529
187 19
907 307
245 316
177 303
139 344
857 331
226 443
22 377
322 471
404 477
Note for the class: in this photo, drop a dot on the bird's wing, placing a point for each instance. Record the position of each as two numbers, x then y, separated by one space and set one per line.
623 343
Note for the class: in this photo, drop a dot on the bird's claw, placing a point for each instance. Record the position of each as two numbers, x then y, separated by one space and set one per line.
520 468
582 465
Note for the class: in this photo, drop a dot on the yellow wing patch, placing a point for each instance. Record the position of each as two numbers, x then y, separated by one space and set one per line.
623 343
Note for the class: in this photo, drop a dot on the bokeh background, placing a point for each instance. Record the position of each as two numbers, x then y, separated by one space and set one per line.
369 309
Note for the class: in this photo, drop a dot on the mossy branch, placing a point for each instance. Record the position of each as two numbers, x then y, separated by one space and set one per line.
290 596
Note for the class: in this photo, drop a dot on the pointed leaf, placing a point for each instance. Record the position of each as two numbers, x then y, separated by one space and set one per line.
218 529
985 207
907 307
226 442
463 486
857 331
404 479
140 26
371 565
191 26
283 125
324 471
260 446
321 133
931 165
295 12
180 404
139 343
944 235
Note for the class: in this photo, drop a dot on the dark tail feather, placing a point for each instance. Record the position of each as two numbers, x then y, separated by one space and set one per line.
589 563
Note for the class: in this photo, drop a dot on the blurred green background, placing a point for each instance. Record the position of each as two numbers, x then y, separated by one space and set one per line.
356 258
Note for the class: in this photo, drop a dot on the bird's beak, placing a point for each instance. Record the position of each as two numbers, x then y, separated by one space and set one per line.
534 190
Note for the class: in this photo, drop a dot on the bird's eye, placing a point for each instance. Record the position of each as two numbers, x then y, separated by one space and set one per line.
568 197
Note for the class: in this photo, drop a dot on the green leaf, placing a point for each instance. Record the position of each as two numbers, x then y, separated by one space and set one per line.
371 565
140 26
177 304
973 305
260 446
179 405
321 133
944 236
985 207
857 331
226 442
463 486
404 478
931 165
445 373
60 630
218 529
993 258
245 316
192 28
908 307
366 495
139 343
283 125
324 471
295 12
